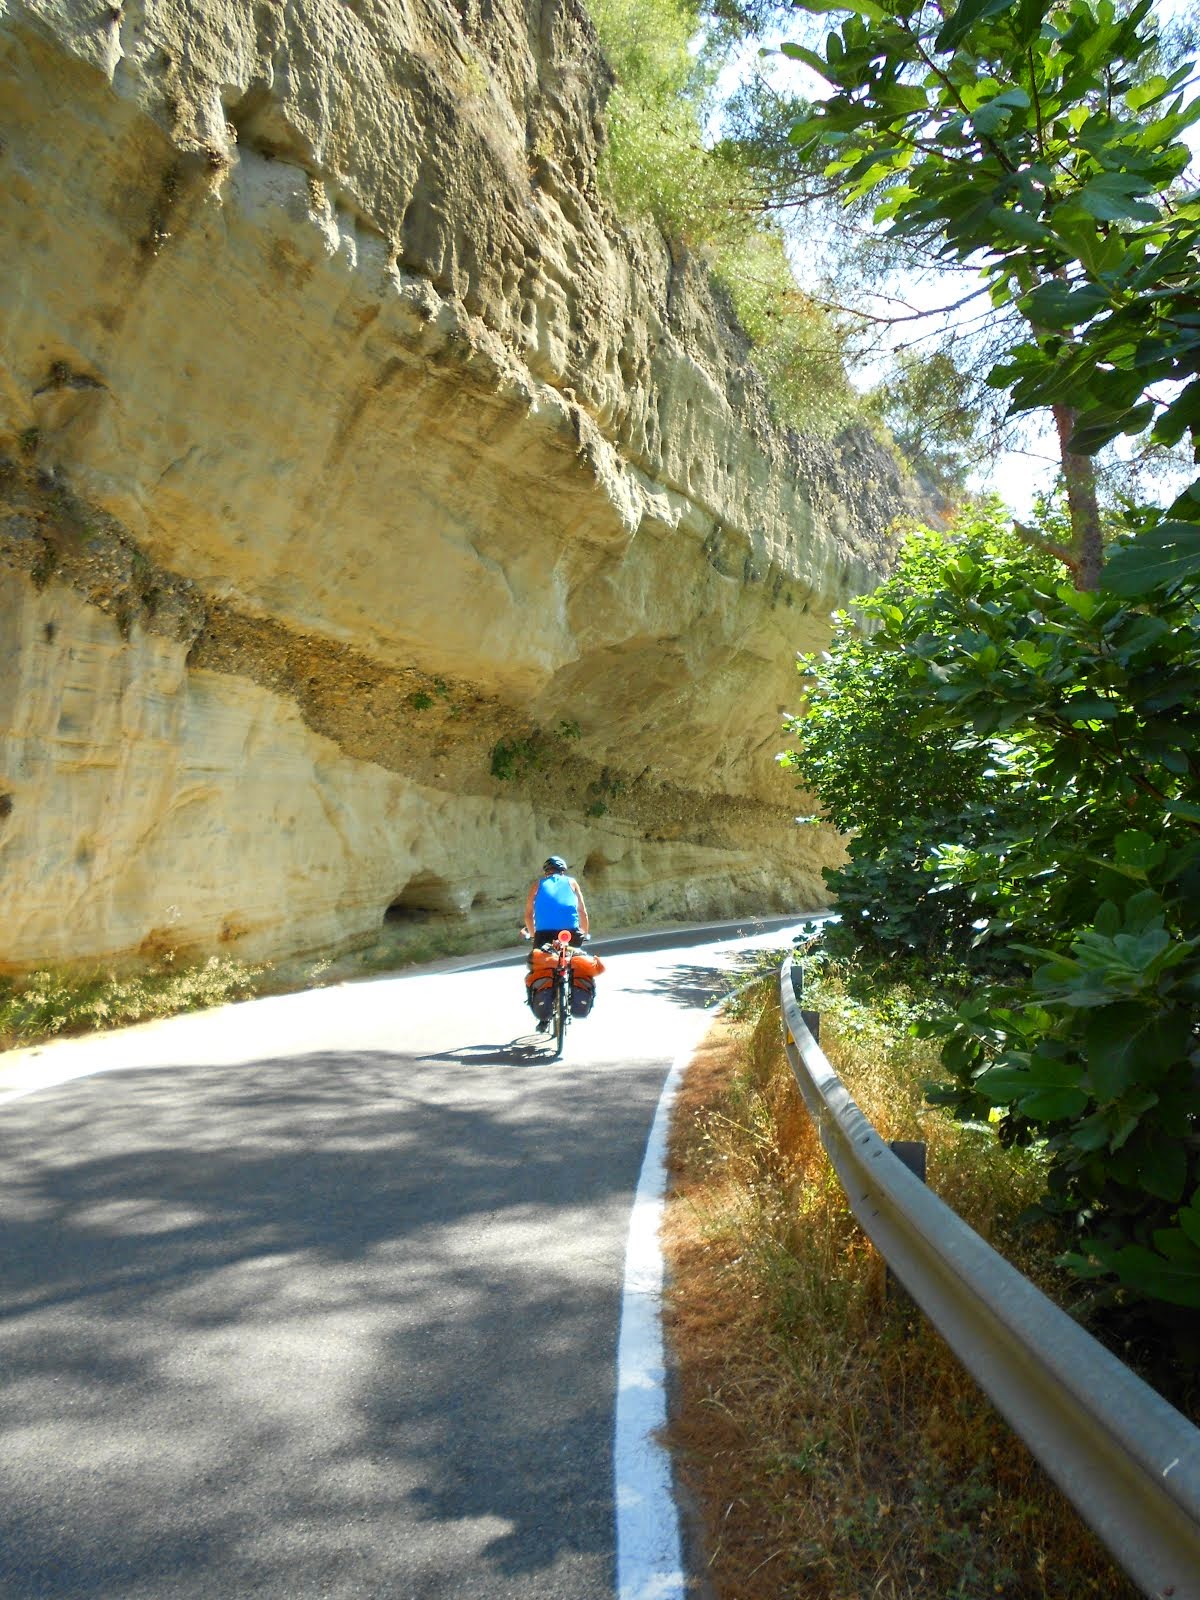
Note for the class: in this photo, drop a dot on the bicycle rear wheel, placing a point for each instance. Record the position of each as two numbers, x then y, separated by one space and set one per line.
561 1012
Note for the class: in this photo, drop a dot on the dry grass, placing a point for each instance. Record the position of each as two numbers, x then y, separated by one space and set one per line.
63 1001
50 1004
887 1071
835 1446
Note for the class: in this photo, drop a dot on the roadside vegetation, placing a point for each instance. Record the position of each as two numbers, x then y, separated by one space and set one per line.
1007 735
57 1003
1012 744
1017 764
50 1004
832 1443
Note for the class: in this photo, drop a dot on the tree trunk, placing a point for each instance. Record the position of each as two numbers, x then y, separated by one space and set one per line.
1079 475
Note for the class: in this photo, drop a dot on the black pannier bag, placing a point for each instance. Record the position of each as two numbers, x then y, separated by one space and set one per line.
583 995
539 991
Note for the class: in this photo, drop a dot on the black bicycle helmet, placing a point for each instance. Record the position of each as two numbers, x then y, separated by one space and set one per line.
554 864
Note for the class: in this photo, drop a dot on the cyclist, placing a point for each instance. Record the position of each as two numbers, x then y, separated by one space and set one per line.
554 904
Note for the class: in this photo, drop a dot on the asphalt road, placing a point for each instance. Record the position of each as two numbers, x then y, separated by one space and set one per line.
319 1295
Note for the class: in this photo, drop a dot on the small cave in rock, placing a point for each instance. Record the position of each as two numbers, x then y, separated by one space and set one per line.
424 898
596 864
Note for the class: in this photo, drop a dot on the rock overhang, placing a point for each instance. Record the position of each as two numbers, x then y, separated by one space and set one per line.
330 325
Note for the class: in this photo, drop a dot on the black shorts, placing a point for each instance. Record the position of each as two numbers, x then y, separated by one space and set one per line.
543 936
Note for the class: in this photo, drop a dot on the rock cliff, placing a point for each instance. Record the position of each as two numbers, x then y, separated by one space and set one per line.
376 512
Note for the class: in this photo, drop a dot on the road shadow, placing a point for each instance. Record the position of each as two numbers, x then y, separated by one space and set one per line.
314 1327
695 987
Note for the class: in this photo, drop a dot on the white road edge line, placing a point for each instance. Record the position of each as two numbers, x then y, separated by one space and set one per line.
649 1550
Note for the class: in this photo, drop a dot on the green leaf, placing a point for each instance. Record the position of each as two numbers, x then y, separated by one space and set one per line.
862 8
1180 417
1126 1124
964 18
1176 1246
1004 1085
1160 558
994 114
1091 708
1054 1105
1058 305
1115 197
1136 852
1081 600
1189 1219
1127 1045
1019 225
1062 966
1101 426
803 131
1093 1133
1140 633
1082 1266
1178 1283
1145 94
1163 1170
1108 919
1143 910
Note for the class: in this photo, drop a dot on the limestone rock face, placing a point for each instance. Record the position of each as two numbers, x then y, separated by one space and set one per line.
376 513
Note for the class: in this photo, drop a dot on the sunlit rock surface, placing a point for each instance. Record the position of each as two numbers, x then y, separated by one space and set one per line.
376 513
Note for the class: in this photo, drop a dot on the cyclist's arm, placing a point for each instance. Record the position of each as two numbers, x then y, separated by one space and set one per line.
529 928
583 916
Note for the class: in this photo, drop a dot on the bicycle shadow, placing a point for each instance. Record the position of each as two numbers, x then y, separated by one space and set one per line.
531 1051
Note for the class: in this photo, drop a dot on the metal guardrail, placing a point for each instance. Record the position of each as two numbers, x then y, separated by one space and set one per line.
1126 1459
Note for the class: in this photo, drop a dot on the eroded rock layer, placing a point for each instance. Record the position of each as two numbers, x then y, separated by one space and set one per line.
376 513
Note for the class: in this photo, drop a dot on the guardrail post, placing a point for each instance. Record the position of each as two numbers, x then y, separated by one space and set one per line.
812 1021
911 1152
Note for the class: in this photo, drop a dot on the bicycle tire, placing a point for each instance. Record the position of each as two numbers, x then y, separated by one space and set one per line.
561 1008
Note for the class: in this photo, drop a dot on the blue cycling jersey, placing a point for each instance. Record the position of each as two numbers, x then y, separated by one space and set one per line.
554 904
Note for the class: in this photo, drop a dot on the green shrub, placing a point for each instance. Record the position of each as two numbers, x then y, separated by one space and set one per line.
904 788
1064 724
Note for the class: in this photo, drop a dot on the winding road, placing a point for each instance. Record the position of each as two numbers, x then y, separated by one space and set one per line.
319 1295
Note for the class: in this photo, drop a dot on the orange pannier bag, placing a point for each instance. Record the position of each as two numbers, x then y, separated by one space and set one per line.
543 962
539 982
